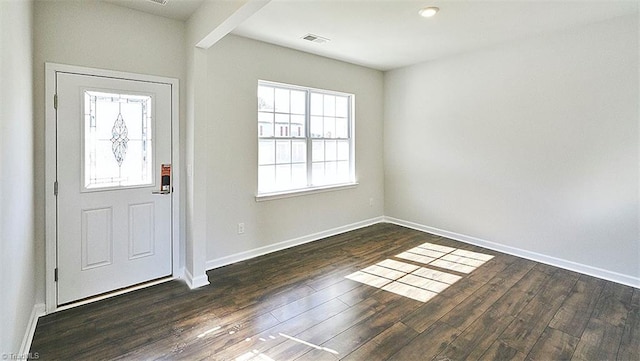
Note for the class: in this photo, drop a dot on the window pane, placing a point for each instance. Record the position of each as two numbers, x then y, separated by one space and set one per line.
133 165
297 126
299 175
330 150
316 127
317 151
265 130
282 100
266 178
283 151
342 106
103 110
330 172
316 104
265 124
118 144
317 173
298 102
329 106
342 172
283 176
282 130
282 118
299 151
342 128
136 127
329 127
282 125
266 152
343 150
265 98
107 174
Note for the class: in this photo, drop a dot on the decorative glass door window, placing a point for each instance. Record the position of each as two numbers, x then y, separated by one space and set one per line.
118 143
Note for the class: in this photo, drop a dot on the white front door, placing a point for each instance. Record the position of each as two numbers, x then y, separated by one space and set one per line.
113 224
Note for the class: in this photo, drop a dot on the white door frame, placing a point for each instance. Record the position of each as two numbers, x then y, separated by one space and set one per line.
51 230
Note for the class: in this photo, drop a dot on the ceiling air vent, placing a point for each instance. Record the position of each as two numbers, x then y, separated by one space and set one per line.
315 38
160 2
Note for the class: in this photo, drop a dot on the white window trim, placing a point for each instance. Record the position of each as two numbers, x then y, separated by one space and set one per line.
288 193
262 197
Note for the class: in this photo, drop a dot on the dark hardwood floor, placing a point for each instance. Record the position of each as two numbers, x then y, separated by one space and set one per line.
298 304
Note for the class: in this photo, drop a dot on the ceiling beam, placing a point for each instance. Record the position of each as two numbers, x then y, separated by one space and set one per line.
235 18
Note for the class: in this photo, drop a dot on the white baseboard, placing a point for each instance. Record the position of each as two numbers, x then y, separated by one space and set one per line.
37 312
518 252
223 261
195 282
538 257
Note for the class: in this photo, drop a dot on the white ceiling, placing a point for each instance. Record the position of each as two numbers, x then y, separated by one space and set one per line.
387 34
173 9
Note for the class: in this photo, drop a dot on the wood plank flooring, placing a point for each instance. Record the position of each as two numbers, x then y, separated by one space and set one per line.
298 304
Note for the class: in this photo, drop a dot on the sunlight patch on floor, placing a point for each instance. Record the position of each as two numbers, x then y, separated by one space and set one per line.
421 283
415 257
209 331
254 355
257 355
309 344
400 266
412 292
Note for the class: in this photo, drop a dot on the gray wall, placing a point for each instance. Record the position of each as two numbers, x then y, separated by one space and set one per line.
532 145
17 268
234 66
99 35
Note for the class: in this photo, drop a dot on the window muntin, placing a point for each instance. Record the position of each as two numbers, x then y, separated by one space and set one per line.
304 138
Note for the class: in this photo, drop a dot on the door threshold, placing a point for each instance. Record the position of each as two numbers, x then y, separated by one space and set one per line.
118 292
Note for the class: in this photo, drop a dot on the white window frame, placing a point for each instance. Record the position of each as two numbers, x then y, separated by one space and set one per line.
310 188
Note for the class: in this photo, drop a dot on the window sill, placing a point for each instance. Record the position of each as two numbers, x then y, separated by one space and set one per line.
305 191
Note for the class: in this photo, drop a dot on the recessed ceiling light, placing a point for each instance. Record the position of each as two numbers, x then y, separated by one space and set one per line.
428 11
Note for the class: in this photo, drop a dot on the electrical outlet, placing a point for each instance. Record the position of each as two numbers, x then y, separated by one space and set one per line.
240 228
